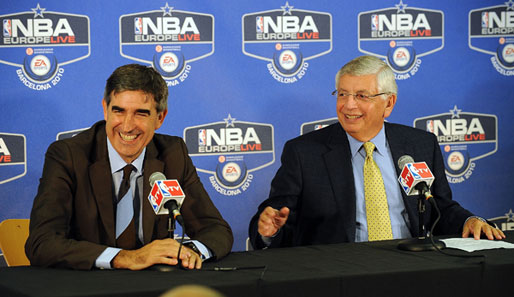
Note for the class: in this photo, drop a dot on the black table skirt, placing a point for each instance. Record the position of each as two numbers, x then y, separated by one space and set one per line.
351 269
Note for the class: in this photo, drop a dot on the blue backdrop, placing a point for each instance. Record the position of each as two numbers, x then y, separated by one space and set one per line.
245 78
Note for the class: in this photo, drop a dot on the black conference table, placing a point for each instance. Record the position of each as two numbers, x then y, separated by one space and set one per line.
350 269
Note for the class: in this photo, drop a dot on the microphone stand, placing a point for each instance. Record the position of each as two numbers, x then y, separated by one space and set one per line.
171 231
171 225
422 242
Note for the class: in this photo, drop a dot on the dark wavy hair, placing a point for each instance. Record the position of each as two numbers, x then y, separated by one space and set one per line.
135 77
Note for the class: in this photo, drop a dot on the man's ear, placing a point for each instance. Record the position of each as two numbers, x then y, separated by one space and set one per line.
391 101
160 118
105 107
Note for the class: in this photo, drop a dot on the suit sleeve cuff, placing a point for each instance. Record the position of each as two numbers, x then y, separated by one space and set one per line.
268 239
481 219
205 252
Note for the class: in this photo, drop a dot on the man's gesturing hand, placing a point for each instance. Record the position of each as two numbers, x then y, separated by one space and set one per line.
271 220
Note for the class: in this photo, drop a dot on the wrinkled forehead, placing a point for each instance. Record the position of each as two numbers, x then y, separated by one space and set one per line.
358 83
144 96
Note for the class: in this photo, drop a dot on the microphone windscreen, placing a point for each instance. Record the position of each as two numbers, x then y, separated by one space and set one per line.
155 177
404 160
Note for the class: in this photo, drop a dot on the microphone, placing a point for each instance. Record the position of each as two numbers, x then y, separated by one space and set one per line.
415 178
166 196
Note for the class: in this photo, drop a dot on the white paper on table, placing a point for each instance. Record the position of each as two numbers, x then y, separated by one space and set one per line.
471 245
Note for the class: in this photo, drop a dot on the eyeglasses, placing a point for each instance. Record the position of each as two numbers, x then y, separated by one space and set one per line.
358 97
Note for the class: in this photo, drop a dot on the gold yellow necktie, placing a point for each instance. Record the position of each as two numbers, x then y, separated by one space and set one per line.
377 211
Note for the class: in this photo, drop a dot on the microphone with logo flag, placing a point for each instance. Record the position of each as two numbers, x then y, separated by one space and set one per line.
415 180
166 196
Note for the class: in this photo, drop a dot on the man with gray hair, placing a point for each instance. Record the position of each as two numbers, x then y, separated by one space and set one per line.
339 184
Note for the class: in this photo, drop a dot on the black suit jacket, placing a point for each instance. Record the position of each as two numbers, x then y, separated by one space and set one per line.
73 216
316 182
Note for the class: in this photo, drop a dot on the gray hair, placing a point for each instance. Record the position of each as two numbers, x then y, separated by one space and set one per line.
365 65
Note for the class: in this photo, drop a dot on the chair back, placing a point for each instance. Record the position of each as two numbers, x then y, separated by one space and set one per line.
13 234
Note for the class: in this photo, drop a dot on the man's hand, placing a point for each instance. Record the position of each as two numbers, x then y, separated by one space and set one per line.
162 251
476 227
271 220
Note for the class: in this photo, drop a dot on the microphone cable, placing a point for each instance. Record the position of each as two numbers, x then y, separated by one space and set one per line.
181 242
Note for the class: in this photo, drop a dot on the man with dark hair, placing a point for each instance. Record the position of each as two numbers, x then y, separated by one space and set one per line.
91 208
339 184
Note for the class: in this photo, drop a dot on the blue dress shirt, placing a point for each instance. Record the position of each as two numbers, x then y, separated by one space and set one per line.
117 164
383 158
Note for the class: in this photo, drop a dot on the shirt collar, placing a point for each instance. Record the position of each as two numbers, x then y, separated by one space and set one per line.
117 163
379 140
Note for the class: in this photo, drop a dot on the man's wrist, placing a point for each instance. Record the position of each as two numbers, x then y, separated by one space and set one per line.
479 218
192 247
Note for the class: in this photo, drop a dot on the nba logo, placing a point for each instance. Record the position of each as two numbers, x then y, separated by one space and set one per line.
202 136
430 126
318 126
138 26
155 197
414 171
164 188
259 24
485 19
7 28
406 179
374 22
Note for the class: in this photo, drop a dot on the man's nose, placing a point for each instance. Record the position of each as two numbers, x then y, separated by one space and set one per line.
351 101
128 123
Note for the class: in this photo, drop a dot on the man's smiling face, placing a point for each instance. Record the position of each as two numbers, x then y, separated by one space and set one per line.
362 120
131 120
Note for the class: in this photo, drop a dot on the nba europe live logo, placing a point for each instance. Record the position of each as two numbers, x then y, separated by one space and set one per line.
13 157
230 151
316 125
40 42
464 137
491 31
401 35
167 39
69 134
506 222
287 38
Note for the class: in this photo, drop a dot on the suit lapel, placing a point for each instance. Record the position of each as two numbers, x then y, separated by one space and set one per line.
340 172
101 183
151 165
400 147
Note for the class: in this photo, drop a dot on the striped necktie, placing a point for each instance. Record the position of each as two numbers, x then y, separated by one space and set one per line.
125 227
377 211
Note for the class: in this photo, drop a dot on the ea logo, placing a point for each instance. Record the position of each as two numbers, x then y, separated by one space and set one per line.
401 57
169 62
287 59
508 53
40 65
231 172
456 161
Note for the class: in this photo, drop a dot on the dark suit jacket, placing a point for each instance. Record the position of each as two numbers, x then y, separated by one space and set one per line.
316 182
73 216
